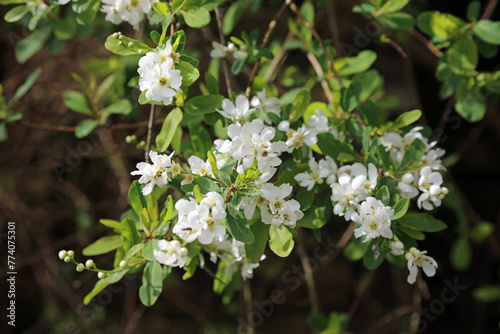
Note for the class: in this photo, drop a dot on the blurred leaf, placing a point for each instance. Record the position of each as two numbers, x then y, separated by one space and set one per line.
88 14
195 17
85 127
374 255
16 13
168 129
488 31
398 21
406 119
32 44
461 254
255 249
422 222
317 321
473 10
103 245
152 283
355 65
463 55
76 101
136 198
487 293
481 231
233 15
281 241
122 107
355 250
25 87
470 103
239 229
400 208
299 105
103 283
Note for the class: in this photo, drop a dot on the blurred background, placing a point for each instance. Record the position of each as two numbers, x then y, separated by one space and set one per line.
56 187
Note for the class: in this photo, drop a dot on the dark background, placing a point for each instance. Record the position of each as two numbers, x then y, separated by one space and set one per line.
54 213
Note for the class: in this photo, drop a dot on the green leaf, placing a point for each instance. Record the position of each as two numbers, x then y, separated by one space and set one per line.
348 97
487 293
212 84
125 46
422 222
406 119
76 101
470 103
189 73
196 17
200 139
281 241
400 208
238 65
115 225
355 65
384 158
369 83
233 15
443 25
488 31
398 21
239 229
136 198
255 249
314 218
129 233
103 245
32 44
383 195
332 146
481 231
16 13
85 127
317 321
25 87
122 107
369 113
355 250
374 256
473 10
170 125
103 283
203 104
299 105
412 233
413 154
152 283
461 254
463 55
392 6
88 15
178 41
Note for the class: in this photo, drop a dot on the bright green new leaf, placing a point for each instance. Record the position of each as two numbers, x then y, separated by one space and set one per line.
129 233
170 125
85 127
88 14
136 198
355 65
355 250
125 46
281 241
189 73
398 21
488 31
25 87
16 13
255 249
392 6
103 283
195 17
122 107
407 118
400 208
152 283
470 103
300 104
115 225
103 245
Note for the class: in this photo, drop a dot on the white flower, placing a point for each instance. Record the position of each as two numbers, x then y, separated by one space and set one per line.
308 180
362 180
407 186
266 105
171 253
219 50
374 218
249 204
346 198
251 142
222 148
200 167
417 259
430 185
156 173
160 81
328 169
397 248
319 121
157 57
300 137
239 112
188 226
36 7
131 11
282 212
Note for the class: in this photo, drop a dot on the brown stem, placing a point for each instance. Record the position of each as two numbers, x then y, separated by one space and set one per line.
265 41
488 9
319 72
247 296
415 316
225 68
150 132
40 126
359 293
308 273
422 39
388 318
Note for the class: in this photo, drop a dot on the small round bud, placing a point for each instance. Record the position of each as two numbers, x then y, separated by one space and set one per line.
444 191
80 267
130 45
71 253
116 35
142 143
62 254
120 36
120 43
89 263
123 264
183 252
67 259
407 178
408 256
175 243
101 275
129 139
141 51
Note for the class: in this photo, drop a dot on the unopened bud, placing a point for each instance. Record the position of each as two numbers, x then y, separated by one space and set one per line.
62 254
67 259
71 253
80 267
101 275
89 263
123 264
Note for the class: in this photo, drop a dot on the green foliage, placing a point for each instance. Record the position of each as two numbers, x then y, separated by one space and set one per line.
172 121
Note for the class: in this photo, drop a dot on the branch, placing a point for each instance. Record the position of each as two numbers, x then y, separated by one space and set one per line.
150 132
308 273
422 39
225 69
247 297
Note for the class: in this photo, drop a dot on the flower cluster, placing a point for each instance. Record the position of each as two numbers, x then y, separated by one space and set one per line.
300 137
159 78
201 221
171 253
427 179
417 259
158 173
131 11
324 169
221 51
374 218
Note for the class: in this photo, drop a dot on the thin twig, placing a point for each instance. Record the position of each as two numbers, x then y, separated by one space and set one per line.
319 72
150 132
489 9
308 273
360 292
225 68
388 318
247 296
415 316
265 41
422 39
278 60
134 320
41 126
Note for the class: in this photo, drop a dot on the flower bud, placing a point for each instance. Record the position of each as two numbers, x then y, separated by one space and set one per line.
130 45
183 252
80 267
123 264
89 263
101 275
116 35
62 254
71 253
67 259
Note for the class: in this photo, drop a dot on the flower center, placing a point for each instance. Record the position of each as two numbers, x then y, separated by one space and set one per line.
134 3
163 81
